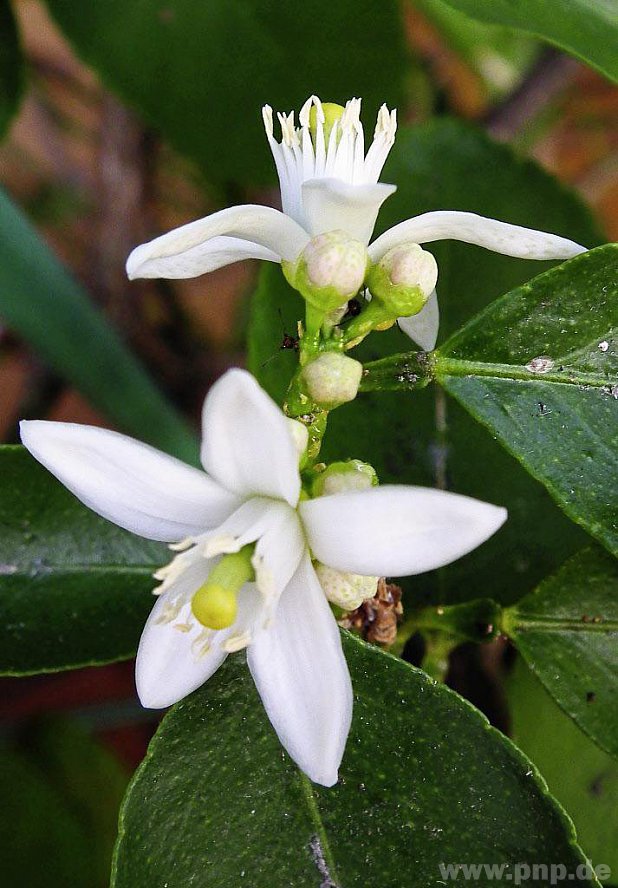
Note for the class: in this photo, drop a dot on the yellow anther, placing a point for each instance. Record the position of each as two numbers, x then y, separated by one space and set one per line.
215 603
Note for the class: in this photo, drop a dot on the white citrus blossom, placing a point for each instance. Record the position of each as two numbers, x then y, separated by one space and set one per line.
250 492
328 183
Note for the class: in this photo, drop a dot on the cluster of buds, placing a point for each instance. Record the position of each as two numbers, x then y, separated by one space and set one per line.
334 268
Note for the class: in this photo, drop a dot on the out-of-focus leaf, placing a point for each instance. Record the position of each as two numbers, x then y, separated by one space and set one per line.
42 303
60 797
586 29
500 56
12 69
539 368
200 72
582 777
74 589
567 632
413 438
424 781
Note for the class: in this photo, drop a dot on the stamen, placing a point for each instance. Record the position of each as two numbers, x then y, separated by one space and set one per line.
182 545
236 642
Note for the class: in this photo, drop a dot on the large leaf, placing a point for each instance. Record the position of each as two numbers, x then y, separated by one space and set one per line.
499 56
585 29
60 797
424 782
539 368
582 777
12 69
200 72
447 165
74 589
42 303
567 631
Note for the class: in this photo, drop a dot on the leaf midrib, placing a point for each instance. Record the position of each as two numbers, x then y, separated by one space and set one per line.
35 570
546 622
463 368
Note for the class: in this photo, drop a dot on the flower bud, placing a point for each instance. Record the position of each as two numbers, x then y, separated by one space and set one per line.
329 271
332 379
403 279
347 590
342 477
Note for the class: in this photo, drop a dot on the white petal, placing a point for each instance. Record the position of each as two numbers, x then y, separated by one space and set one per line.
333 205
278 552
177 656
260 227
133 485
501 237
248 446
302 677
422 328
396 530
207 256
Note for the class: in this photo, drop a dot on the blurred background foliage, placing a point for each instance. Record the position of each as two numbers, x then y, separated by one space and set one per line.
121 121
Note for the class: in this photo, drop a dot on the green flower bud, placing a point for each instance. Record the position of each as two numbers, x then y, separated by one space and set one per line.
403 279
341 477
332 379
329 271
346 590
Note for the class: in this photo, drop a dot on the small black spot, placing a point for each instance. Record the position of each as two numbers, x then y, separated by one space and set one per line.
354 308
590 696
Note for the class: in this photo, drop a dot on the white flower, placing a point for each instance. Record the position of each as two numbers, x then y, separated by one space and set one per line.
249 493
327 184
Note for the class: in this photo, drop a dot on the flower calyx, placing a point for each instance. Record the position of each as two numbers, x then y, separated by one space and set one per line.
403 279
329 271
344 477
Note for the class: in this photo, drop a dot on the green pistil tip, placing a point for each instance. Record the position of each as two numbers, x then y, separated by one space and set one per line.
215 604
332 113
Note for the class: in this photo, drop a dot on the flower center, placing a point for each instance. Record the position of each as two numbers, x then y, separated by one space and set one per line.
215 603
331 113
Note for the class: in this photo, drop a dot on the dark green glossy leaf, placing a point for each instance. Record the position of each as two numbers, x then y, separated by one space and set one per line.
61 792
567 631
540 369
424 781
12 70
585 29
413 438
582 777
42 303
205 69
74 589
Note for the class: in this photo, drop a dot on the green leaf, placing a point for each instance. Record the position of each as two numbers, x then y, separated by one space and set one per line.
206 69
567 631
539 368
61 792
500 56
582 777
587 30
424 781
446 164
42 303
74 589
12 69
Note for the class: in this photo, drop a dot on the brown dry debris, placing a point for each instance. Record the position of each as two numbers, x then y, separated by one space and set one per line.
377 618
